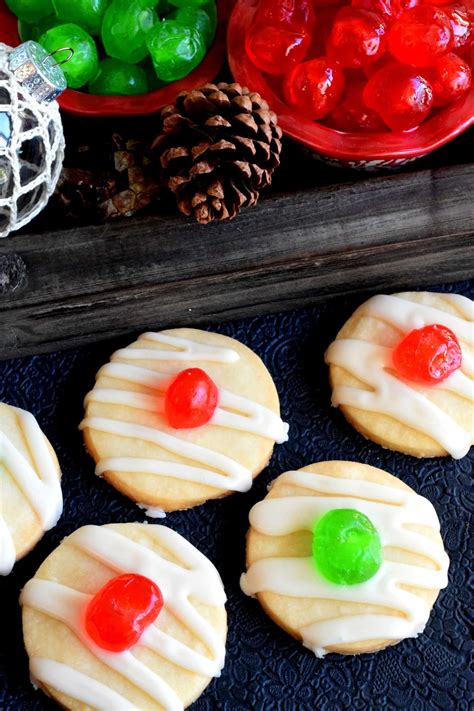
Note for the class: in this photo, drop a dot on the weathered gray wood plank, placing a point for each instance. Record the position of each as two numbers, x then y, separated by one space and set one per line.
71 287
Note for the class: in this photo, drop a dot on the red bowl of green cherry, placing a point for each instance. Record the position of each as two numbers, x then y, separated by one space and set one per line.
130 57
363 83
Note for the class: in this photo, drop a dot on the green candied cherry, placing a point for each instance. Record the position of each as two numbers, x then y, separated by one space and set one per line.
31 10
117 78
346 547
125 28
175 49
34 30
153 82
88 14
204 19
188 3
83 66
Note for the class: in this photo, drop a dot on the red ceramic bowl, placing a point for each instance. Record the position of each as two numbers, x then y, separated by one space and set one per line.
82 104
355 150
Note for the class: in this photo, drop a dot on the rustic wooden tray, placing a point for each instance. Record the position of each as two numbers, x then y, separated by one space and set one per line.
319 232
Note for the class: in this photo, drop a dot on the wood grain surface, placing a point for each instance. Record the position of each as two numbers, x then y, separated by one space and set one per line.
69 287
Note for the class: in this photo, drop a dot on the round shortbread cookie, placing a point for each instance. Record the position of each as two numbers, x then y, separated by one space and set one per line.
166 469
347 619
424 421
31 498
176 656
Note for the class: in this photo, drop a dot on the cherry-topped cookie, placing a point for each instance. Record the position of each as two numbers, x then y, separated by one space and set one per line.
125 616
402 372
180 417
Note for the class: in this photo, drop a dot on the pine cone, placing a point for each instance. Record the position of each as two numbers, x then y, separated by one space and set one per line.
105 179
218 148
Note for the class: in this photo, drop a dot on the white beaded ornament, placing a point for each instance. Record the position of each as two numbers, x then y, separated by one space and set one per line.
31 133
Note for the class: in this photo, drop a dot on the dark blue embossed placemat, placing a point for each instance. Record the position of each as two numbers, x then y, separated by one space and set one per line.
265 668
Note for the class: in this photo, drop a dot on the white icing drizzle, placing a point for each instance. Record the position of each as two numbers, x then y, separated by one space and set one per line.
390 510
79 686
40 484
234 412
195 577
152 511
246 415
399 399
229 474
187 350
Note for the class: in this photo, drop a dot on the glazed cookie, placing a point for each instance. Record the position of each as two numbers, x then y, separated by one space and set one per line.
345 557
31 499
402 372
180 417
125 616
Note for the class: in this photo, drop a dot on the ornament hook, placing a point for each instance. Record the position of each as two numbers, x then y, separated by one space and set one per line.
63 61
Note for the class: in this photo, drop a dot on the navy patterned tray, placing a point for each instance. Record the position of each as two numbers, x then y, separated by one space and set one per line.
265 669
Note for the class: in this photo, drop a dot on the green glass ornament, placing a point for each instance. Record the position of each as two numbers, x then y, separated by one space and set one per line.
175 49
200 18
30 10
88 14
125 28
84 64
117 78
346 547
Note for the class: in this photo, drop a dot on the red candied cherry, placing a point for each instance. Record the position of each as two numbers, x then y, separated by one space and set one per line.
389 10
450 78
191 399
357 37
420 36
461 25
352 114
321 31
327 3
294 14
314 87
120 612
427 355
400 96
276 49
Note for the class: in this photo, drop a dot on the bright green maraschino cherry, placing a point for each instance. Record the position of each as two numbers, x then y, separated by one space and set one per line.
125 28
34 30
202 18
119 78
31 10
175 49
346 547
88 14
83 66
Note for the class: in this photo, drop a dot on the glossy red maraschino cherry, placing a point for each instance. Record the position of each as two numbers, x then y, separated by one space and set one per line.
120 612
420 36
400 95
461 24
450 78
191 399
389 10
427 355
297 14
314 87
357 37
280 34
276 49
352 113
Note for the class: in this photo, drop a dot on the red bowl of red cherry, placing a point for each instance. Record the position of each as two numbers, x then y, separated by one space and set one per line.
364 83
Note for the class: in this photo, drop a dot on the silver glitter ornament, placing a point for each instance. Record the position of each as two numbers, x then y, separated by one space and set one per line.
31 133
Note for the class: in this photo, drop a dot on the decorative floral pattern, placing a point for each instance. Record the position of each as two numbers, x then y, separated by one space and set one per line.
266 670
